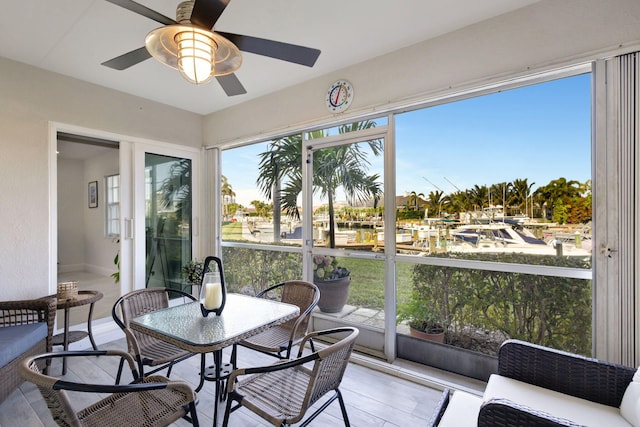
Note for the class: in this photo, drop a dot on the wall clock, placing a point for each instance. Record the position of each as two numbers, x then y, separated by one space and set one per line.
339 96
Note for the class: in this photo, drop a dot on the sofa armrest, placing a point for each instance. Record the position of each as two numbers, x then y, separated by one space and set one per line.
22 312
441 407
572 374
503 412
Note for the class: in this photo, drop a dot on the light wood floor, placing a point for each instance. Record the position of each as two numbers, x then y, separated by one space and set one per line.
373 399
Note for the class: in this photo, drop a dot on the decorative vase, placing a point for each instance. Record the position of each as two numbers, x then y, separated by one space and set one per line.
435 337
333 294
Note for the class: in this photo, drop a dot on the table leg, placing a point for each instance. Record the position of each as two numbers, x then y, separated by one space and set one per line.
202 371
65 341
217 372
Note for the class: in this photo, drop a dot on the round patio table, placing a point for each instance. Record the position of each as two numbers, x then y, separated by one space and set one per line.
66 337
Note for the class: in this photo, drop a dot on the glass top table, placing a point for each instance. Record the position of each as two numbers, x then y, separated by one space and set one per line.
243 316
184 326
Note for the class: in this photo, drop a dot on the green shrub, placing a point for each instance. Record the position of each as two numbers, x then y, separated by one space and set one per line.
252 270
551 311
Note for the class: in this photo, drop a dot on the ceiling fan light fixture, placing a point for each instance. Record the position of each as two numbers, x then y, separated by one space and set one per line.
197 53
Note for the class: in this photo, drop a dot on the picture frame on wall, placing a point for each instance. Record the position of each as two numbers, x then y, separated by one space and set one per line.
93 194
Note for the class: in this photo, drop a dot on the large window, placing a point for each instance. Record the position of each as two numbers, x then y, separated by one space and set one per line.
492 204
503 179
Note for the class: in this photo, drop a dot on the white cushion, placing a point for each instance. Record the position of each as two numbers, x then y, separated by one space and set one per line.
560 405
630 406
462 410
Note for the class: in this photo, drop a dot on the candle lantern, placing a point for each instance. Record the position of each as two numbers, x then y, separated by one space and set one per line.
213 293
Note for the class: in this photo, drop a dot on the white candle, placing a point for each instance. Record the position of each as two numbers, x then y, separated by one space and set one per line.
212 295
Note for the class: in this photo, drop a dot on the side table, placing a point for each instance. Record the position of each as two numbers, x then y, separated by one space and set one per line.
63 339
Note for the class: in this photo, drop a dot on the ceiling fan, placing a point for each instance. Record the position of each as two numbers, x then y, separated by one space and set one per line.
190 45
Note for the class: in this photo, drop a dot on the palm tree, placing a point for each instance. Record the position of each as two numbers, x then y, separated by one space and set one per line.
227 196
343 166
459 202
479 196
435 200
415 199
521 191
500 194
558 189
176 189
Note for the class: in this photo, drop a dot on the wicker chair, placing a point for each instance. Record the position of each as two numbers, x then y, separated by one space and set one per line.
146 350
153 401
23 312
570 374
281 338
283 392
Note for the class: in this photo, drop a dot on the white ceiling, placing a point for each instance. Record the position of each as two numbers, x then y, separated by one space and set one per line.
73 37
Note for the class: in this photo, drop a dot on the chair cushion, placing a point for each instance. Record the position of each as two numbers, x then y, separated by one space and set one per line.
630 406
15 340
462 410
560 405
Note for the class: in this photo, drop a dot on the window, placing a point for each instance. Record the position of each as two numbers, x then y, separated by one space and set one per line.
491 197
113 205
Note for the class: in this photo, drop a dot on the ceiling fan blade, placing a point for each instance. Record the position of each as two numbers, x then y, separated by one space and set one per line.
231 85
271 48
125 61
143 10
206 12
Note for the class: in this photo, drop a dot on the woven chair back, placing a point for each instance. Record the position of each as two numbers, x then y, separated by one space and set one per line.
303 294
328 369
141 302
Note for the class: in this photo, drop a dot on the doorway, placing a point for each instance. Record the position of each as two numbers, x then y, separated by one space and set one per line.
86 247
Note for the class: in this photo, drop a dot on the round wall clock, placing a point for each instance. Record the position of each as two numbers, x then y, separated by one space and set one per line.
339 96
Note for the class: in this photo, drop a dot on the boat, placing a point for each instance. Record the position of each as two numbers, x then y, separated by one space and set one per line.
507 237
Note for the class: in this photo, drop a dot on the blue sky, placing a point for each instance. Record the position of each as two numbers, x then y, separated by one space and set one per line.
540 132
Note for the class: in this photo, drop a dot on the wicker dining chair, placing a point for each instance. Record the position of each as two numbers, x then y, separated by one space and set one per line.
146 350
278 340
152 401
283 392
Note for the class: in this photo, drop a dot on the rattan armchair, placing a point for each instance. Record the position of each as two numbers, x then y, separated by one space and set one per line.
278 340
282 393
146 350
153 401
573 375
19 313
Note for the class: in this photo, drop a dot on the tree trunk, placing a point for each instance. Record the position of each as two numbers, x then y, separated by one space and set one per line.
332 227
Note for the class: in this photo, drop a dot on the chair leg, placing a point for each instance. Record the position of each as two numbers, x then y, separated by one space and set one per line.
119 374
169 370
227 411
313 349
343 408
194 414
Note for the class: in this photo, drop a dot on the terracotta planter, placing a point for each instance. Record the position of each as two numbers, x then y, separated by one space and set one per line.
437 337
333 294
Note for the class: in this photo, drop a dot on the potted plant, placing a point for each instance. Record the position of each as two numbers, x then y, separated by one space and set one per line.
423 319
333 282
192 273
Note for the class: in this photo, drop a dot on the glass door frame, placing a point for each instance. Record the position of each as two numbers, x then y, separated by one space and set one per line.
138 221
384 133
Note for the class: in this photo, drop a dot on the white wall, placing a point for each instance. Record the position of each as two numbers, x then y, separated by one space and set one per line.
71 209
99 249
535 37
29 99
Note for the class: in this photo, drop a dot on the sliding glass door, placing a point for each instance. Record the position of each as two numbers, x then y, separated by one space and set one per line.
166 207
